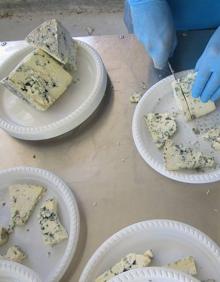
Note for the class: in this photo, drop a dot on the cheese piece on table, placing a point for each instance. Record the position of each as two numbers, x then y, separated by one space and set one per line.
14 253
196 108
187 265
3 235
131 261
162 126
38 79
52 37
52 230
179 157
23 199
213 136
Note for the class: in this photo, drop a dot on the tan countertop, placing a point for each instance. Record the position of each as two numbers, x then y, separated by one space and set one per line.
112 184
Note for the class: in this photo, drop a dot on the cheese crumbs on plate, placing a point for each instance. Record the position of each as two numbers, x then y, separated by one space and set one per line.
162 126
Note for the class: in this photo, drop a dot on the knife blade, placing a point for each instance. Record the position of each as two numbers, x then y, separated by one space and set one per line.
178 82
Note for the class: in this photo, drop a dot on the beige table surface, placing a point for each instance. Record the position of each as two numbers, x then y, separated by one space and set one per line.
113 185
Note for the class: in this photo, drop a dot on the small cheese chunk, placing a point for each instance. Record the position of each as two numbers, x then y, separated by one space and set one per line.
213 136
3 235
14 253
162 126
195 107
179 157
23 198
131 261
52 230
52 37
38 79
187 265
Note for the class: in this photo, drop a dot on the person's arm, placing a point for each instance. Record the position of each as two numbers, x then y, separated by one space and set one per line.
153 26
207 83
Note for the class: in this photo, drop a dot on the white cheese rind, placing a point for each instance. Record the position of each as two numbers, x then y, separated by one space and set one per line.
162 126
52 37
3 236
52 230
187 265
179 157
15 254
131 261
38 79
23 199
196 108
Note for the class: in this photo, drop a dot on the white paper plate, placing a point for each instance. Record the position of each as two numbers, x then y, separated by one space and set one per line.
15 272
159 98
169 240
153 274
74 107
50 267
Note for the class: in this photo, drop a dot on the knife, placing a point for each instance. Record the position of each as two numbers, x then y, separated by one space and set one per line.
178 82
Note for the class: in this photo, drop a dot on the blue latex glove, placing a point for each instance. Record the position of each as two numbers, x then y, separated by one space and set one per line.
207 83
154 27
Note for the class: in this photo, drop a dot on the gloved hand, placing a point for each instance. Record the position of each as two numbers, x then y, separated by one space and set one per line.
154 27
207 83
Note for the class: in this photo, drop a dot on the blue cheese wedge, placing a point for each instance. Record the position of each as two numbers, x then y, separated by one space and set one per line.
179 157
38 79
52 37
52 230
187 265
3 236
162 126
15 254
213 136
23 199
131 261
192 108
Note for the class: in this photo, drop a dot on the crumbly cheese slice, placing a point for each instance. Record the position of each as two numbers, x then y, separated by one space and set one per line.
52 230
131 261
3 235
14 253
196 108
213 136
162 126
38 80
23 198
52 37
179 157
187 265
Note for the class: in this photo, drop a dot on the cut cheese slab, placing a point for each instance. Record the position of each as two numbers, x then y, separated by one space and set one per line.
179 157
195 107
52 230
23 198
52 37
187 265
162 126
14 253
3 236
38 79
213 136
131 261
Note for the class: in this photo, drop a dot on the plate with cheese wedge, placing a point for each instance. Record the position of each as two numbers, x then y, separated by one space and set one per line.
39 221
167 244
153 274
177 135
49 84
